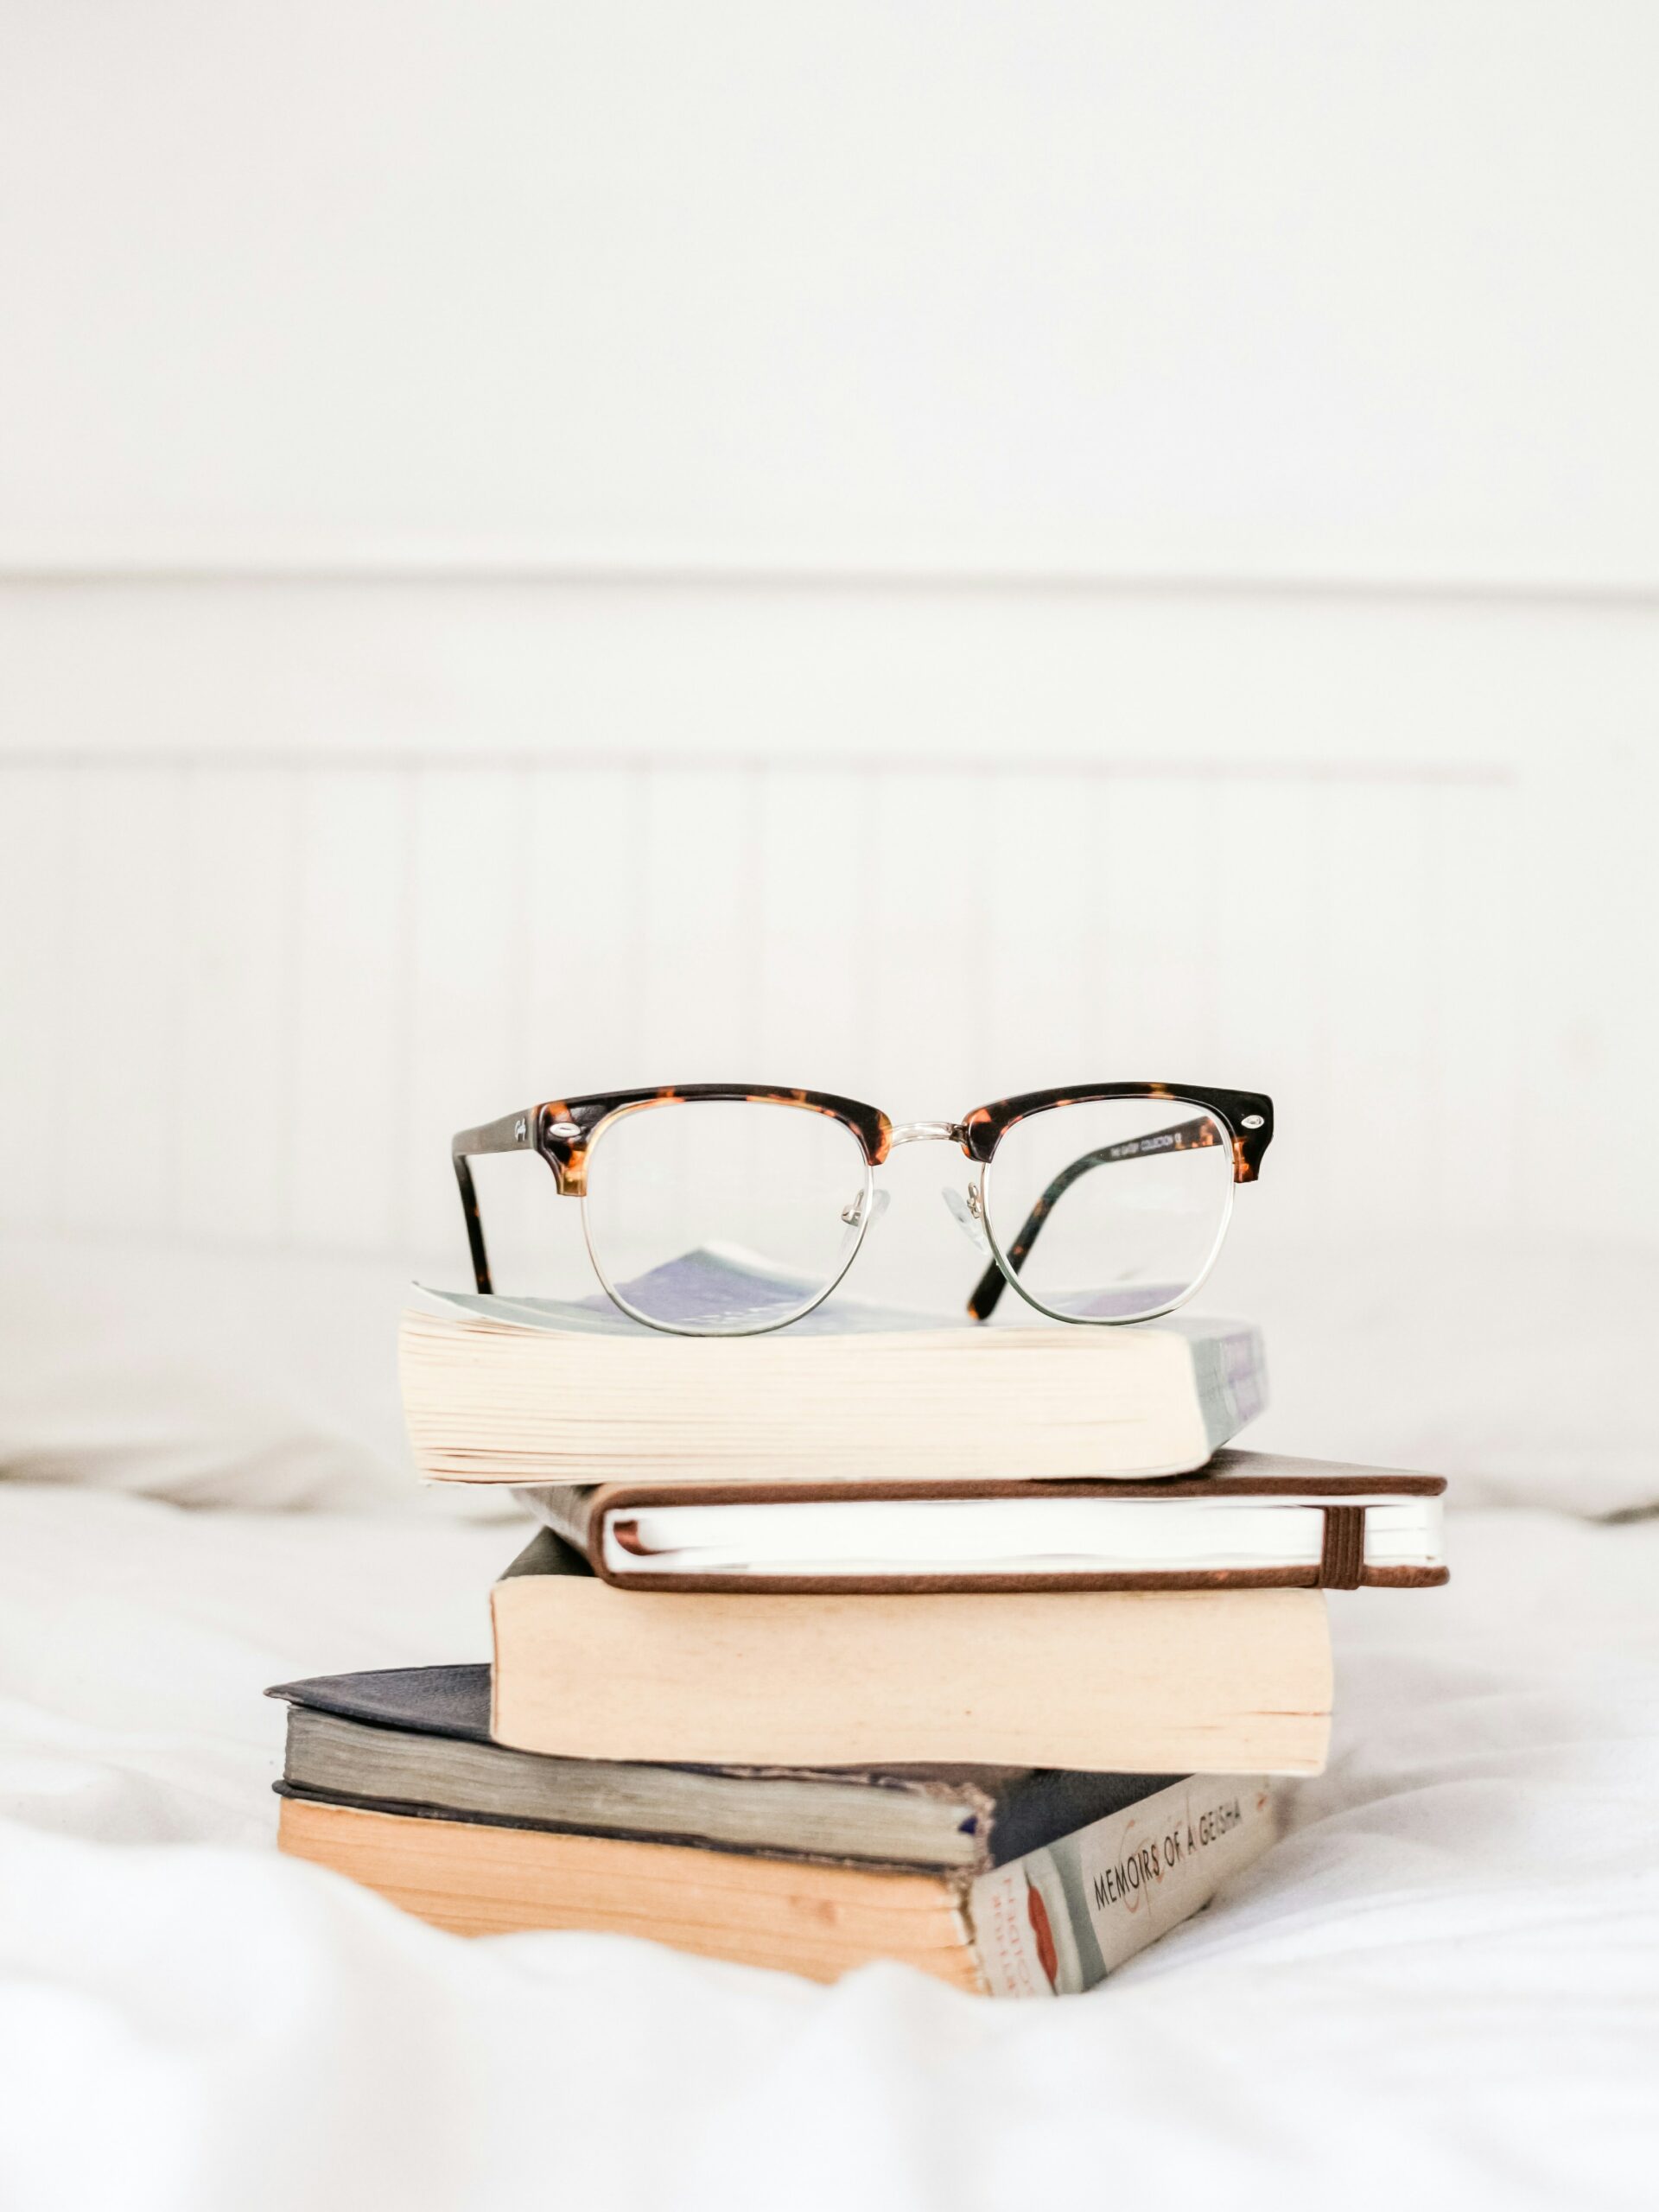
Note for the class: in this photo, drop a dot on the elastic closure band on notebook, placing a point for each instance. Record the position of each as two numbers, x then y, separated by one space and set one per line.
1342 1559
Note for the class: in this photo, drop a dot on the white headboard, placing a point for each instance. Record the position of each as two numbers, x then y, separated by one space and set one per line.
701 549
257 972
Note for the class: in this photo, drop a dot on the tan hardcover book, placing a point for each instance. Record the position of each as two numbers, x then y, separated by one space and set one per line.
1250 1521
1049 1923
518 1391
1139 1681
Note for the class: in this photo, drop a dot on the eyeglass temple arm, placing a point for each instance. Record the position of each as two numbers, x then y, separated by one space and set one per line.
1185 1137
513 1133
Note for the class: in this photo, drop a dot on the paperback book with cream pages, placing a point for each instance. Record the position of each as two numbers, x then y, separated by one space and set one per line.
1152 1681
520 1391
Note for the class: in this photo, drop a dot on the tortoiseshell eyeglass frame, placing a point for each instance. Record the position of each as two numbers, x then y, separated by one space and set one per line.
561 1131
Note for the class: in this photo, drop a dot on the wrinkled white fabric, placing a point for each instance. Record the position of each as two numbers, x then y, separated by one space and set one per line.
1442 1986
211 1377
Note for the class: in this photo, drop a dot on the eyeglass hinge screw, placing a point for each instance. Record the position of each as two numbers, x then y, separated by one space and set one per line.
563 1131
1253 1121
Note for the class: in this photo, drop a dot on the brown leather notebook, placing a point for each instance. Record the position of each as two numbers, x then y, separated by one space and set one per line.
1251 1521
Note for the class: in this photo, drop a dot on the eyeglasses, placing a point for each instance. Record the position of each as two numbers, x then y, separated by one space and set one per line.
731 1209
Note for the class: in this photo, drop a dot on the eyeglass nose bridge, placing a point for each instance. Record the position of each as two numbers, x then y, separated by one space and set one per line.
925 1133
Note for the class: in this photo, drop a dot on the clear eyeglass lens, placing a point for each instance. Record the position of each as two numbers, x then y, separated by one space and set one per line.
723 1217
1111 1210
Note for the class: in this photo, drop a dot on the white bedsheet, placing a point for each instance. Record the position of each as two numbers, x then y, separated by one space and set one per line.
1442 1988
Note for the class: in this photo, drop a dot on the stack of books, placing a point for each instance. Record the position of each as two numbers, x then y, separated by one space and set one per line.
874 1638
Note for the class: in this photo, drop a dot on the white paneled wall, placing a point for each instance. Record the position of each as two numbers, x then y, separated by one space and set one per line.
915 549
249 1001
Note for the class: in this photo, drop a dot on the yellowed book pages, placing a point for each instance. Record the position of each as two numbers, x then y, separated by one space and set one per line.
475 1879
1139 1683
1048 1924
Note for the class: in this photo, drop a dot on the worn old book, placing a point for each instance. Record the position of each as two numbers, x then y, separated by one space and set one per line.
1053 1921
416 1739
1250 1521
1217 1681
530 1391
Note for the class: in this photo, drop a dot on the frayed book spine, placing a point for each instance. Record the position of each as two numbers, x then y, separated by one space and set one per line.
1064 1917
